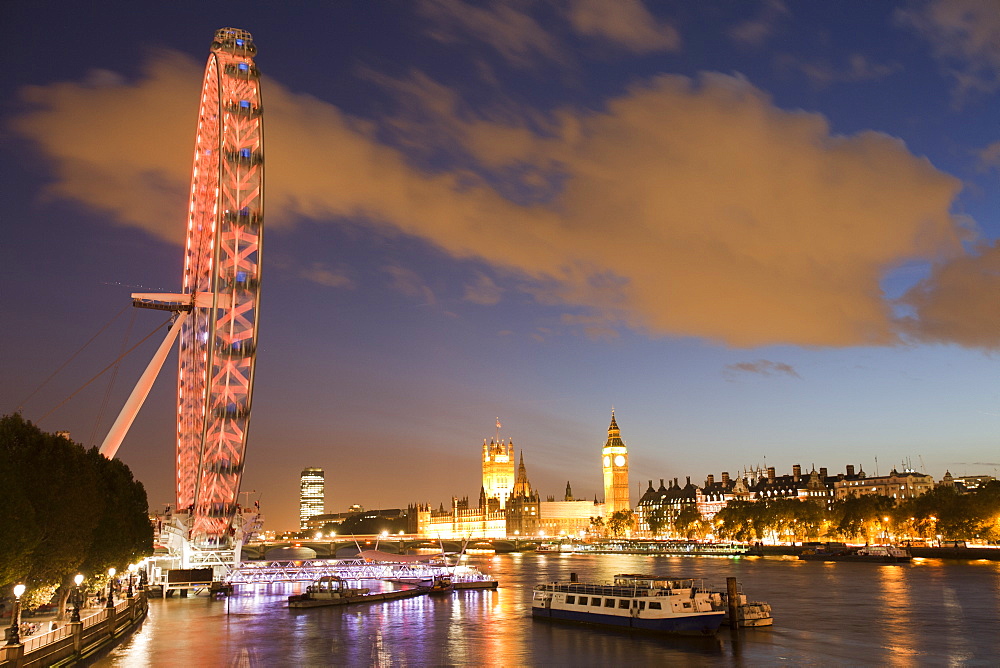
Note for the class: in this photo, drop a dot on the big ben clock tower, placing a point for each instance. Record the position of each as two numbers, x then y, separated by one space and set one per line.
615 461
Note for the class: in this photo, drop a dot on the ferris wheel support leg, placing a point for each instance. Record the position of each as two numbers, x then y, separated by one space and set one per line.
121 426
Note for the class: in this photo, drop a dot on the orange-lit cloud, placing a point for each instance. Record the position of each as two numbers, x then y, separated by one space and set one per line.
684 208
483 291
318 272
958 302
626 23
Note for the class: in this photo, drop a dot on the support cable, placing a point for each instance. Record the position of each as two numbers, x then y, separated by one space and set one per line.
54 373
111 385
101 372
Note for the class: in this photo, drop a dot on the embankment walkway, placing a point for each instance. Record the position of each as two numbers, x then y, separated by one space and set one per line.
77 641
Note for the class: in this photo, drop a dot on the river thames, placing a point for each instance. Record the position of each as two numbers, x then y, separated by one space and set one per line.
931 612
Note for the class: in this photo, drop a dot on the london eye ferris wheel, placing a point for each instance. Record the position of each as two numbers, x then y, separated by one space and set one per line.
217 309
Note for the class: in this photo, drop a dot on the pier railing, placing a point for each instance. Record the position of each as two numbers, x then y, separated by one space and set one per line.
270 572
77 640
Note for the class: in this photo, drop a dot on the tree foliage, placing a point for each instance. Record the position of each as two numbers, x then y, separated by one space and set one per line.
64 509
688 522
621 522
941 512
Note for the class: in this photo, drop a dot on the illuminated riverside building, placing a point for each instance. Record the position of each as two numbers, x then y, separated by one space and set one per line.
460 521
508 506
489 520
897 485
614 458
498 471
658 508
528 515
312 489
965 483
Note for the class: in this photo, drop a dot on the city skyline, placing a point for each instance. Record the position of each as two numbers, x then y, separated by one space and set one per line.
764 234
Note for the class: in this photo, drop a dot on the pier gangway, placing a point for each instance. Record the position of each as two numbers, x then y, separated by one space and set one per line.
309 570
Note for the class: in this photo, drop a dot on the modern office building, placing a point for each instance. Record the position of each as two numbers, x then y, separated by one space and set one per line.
312 490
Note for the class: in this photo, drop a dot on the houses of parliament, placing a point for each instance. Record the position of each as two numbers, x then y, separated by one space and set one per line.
509 506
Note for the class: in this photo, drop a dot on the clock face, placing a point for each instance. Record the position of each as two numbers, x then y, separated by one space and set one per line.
620 460
607 460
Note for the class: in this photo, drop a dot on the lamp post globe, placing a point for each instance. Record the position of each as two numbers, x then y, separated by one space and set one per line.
77 580
15 617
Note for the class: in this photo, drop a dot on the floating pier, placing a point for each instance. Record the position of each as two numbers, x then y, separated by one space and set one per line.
304 601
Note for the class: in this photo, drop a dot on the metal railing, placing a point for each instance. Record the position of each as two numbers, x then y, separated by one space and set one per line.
35 641
66 641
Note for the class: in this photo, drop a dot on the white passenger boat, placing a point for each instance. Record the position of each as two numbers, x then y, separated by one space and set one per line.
880 554
656 604
749 614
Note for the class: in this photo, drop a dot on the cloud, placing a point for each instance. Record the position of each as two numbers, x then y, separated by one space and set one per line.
764 368
683 208
408 282
857 69
505 26
106 156
511 30
989 157
483 291
958 302
626 23
757 30
321 274
595 327
973 463
965 38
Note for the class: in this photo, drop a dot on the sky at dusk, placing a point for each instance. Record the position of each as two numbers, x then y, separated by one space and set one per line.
766 233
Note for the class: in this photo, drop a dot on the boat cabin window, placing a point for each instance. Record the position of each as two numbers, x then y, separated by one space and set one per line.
623 603
571 599
595 601
654 605
609 603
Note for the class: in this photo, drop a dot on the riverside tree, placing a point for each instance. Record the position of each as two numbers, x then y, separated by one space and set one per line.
621 522
64 510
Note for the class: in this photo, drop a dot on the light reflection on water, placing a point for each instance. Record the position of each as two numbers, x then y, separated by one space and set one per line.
930 612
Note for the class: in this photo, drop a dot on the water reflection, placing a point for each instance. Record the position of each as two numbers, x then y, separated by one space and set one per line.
932 612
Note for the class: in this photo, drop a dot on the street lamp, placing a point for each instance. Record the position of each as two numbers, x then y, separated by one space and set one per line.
131 576
77 580
15 617
111 587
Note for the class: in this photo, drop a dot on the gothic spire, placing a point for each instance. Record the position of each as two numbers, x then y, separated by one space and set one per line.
522 488
614 434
